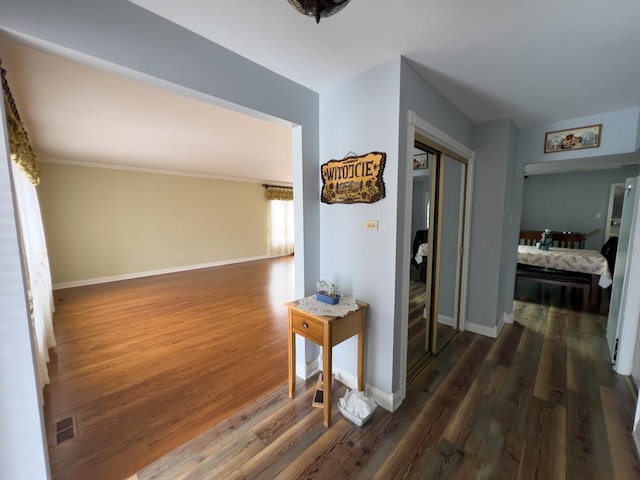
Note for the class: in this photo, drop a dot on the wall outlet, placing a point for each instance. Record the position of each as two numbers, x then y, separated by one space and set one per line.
371 224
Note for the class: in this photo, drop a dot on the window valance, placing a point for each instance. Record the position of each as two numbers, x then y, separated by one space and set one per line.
19 146
275 192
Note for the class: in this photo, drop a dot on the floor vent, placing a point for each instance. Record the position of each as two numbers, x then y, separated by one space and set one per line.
64 430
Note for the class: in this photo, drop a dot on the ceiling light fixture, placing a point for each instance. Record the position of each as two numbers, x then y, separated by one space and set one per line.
319 8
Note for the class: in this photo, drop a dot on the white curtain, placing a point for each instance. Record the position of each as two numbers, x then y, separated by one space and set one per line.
281 227
38 273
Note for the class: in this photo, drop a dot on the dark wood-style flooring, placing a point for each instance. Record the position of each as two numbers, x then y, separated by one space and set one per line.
168 398
416 347
145 365
419 351
540 402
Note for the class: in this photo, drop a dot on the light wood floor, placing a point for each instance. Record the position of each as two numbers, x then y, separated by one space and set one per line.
145 365
540 402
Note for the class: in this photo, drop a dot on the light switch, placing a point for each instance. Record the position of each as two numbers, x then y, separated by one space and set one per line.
598 215
371 224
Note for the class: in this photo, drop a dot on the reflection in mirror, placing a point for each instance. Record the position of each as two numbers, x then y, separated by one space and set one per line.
418 334
437 226
450 232
616 199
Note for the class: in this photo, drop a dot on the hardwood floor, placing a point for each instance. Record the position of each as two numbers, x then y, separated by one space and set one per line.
540 402
416 354
419 354
145 365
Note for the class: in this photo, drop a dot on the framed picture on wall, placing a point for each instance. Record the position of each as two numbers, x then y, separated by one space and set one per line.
420 161
572 139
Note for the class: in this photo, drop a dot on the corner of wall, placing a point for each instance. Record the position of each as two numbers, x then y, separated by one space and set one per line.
491 332
638 133
309 369
388 401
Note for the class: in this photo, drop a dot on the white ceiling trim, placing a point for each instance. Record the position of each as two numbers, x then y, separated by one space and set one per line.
111 166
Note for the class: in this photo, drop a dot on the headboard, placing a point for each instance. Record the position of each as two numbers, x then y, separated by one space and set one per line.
530 237
560 239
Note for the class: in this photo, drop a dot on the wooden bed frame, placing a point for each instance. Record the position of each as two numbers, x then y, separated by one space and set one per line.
559 239
548 276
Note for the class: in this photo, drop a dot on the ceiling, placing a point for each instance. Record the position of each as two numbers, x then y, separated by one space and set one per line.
533 62
76 113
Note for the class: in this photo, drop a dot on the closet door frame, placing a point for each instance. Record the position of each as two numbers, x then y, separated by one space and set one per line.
420 129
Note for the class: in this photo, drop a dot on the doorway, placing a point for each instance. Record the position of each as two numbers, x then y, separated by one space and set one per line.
420 278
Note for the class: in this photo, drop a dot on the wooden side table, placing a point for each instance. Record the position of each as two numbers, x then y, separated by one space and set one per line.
326 331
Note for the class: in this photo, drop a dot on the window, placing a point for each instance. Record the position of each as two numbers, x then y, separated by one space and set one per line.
281 227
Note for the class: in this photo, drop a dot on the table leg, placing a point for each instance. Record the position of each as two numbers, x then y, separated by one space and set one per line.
326 374
292 360
361 360
595 291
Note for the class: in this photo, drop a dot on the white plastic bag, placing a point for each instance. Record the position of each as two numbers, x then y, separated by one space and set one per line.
356 406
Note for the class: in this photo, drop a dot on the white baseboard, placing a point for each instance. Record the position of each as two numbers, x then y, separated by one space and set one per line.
508 317
636 438
308 370
482 329
444 320
389 402
346 378
492 332
499 326
150 273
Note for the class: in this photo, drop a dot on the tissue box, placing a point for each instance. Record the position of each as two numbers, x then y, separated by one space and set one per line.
327 299
354 419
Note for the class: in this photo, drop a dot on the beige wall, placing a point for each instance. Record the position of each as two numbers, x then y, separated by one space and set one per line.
104 222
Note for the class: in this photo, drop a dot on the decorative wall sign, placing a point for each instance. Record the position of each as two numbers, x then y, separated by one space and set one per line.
354 179
572 139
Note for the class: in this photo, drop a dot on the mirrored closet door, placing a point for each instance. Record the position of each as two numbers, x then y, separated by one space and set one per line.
439 186
448 241
418 339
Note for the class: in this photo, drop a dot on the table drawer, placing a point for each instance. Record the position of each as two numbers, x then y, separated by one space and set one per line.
308 328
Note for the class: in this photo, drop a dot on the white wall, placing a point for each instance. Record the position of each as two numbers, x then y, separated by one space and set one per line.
105 224
630 304
419 96
23 454
570 202
635 368
361 116
450 235
638 133
127 39
510 224
124 38
489 193
620 134
365 114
